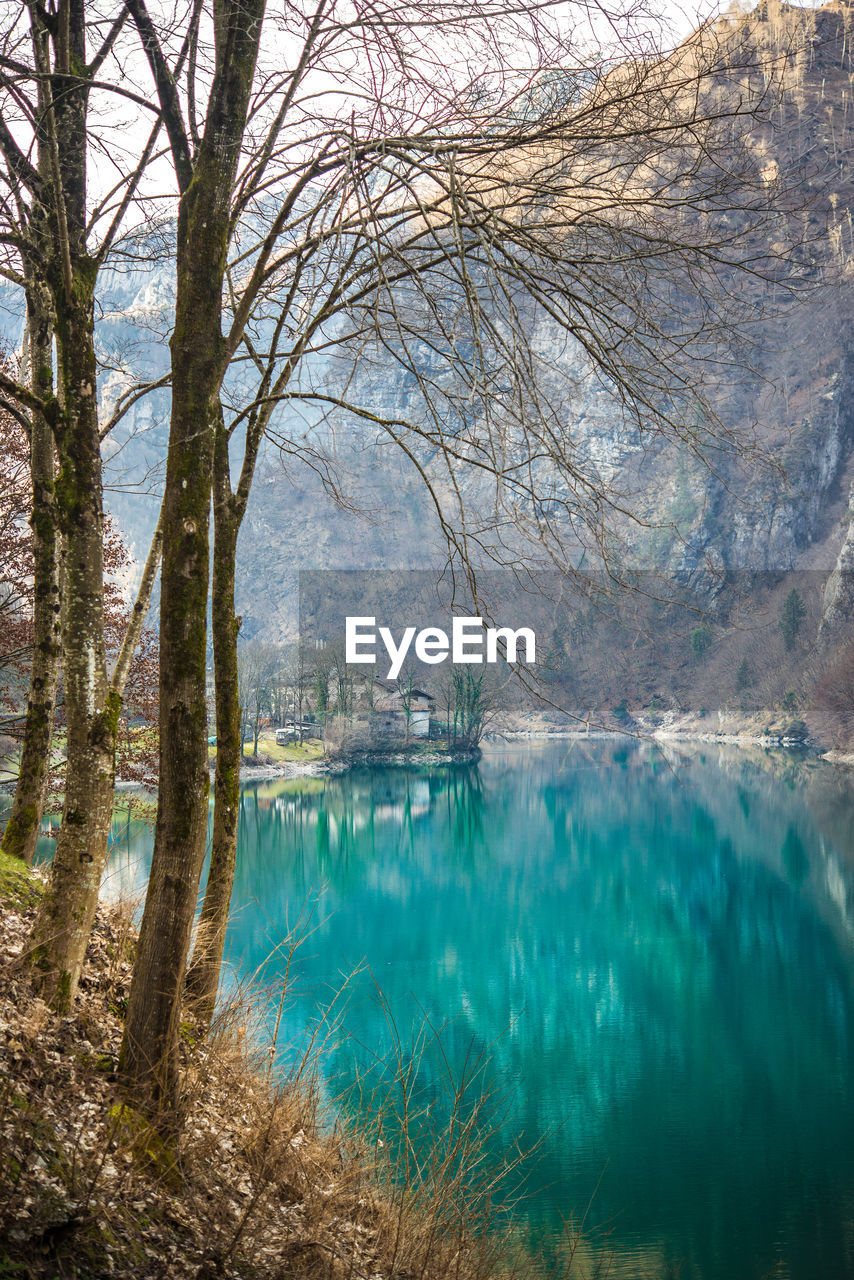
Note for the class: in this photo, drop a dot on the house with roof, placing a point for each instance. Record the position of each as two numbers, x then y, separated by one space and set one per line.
399 710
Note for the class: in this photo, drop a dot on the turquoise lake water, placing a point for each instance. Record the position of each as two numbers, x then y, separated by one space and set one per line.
652 966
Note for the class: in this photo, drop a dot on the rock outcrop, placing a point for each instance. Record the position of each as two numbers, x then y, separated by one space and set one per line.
838 614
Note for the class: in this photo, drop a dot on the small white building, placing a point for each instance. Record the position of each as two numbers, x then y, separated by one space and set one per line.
400 712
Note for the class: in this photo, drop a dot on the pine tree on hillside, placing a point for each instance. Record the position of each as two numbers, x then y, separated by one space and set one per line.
794 612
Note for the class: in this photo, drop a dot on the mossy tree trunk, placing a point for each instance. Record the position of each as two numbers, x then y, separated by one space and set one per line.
229 509
21 833
22 827
151 1030
64 919
149 1056
203 974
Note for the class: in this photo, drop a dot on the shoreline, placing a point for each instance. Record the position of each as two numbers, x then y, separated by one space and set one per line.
335 767
675 733
670 734
258 1177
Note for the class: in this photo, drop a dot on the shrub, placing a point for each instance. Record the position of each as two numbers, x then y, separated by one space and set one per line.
701 642
832 701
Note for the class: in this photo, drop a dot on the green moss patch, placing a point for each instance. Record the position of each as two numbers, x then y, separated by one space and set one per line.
17 882
150 1149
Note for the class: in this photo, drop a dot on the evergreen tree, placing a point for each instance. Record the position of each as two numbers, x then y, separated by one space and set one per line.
794 612
701 641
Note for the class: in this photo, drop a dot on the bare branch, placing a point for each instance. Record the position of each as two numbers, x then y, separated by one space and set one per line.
10 407
140 609
166 91
61 212
108 44
22 395
129 398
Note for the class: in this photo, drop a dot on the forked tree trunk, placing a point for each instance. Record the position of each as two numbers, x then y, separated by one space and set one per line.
150 1045
203 974
22 827
149 1056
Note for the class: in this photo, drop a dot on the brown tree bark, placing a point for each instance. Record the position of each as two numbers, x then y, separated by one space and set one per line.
149 1056
22 827
203 974
64 919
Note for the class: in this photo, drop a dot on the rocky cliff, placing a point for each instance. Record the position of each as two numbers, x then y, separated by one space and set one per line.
792 394
781 510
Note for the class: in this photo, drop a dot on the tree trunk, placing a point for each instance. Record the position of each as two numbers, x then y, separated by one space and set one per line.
22 828
149 1055
203 975
149 1050
67 910
64 919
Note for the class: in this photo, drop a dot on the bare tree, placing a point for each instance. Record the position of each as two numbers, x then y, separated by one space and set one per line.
832 700
258 666
206 157
22 827
16 567
469 702
55 240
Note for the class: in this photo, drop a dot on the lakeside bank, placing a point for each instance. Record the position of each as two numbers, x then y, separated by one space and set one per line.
249 1182
762 730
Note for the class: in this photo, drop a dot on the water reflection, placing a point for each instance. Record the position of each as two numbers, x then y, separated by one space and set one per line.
655 961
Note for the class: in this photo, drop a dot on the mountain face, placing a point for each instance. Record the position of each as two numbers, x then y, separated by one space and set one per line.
787 511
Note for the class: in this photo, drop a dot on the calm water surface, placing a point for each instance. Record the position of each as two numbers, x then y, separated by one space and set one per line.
652 966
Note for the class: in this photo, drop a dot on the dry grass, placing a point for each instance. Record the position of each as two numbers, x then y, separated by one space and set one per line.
255 1182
